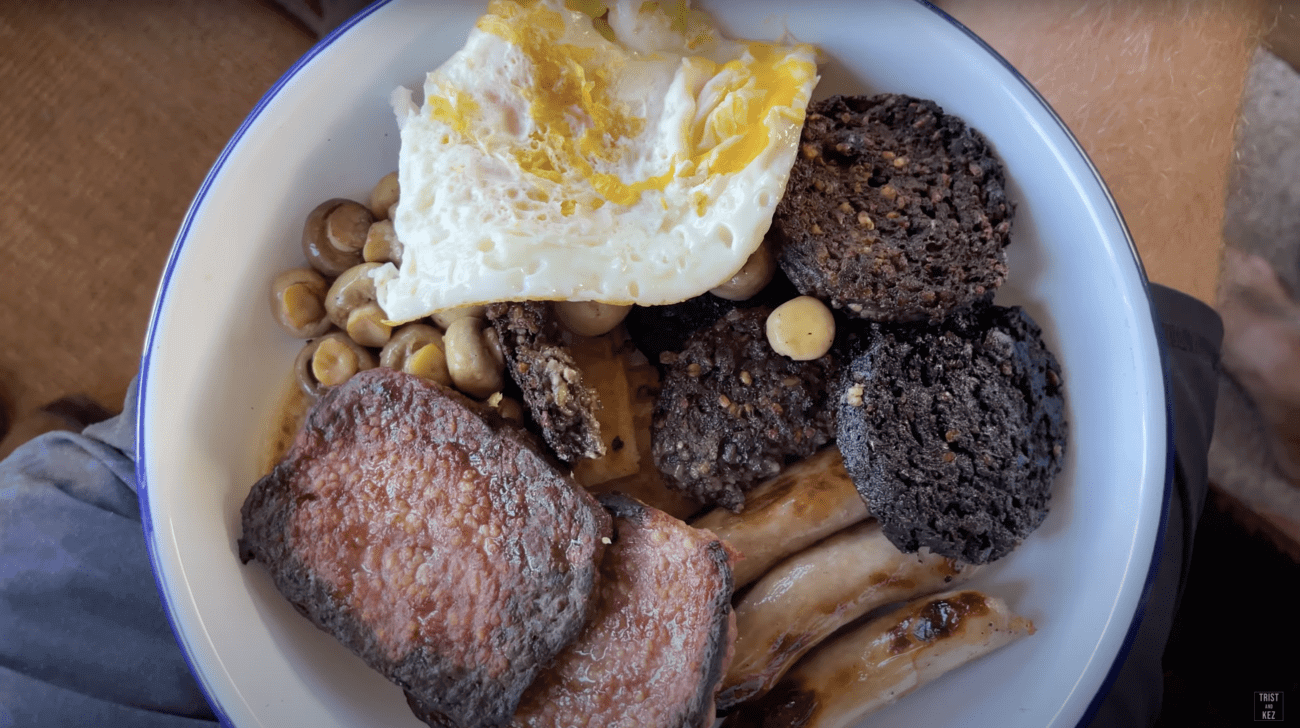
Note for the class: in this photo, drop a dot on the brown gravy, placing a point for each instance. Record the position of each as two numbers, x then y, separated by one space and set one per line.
282 426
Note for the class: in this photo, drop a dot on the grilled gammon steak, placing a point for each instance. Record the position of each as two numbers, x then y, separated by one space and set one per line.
432 539
659 637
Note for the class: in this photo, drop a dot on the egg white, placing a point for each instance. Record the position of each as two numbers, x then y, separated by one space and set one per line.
548 162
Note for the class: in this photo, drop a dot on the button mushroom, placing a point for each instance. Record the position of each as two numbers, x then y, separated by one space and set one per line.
417 349
384 196
590 318
382 245
351 305
330 361
334 234
752 277
445 318
298 301
508 407
474 358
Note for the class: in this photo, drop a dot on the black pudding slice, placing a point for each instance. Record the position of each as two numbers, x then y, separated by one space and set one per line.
731 412
954 432
656 329
894 210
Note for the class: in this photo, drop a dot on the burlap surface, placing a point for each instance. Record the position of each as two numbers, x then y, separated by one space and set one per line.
111 113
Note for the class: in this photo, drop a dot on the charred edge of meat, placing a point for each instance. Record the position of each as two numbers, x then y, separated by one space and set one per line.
389 400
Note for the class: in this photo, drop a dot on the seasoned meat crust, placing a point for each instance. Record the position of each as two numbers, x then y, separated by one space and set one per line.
953 433
561 404
894 210
433 542
660 632
731 412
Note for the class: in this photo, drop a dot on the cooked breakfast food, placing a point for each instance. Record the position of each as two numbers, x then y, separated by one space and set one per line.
732 412
659 636
659 329
335 235
954 432
645 483
805 598
895 211
884 659
637 161
539 362
432 539
580 219
805 503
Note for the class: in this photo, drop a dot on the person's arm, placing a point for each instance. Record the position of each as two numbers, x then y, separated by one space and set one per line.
1151 88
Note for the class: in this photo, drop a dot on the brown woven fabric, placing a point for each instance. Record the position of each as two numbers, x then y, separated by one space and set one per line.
321 16
110 116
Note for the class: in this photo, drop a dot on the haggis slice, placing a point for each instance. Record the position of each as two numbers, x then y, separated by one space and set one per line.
558 398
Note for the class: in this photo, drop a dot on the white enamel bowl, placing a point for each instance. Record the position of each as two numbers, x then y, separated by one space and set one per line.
215 363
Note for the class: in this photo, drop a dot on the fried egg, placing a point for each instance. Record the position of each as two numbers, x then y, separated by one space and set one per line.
636 158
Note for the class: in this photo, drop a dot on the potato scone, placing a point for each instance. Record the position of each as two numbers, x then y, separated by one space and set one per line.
954 432
647 484
431 539
659 636
894 211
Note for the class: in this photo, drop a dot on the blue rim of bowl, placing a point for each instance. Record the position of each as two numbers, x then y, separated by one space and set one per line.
199 197
154 317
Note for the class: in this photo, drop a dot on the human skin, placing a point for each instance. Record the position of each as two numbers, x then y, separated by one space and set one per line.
1151 89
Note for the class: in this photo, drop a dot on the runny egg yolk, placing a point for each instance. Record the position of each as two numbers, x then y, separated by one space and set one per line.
748 92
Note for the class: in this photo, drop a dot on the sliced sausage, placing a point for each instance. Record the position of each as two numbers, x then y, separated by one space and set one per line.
655 647
873 665
815 592
807 502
